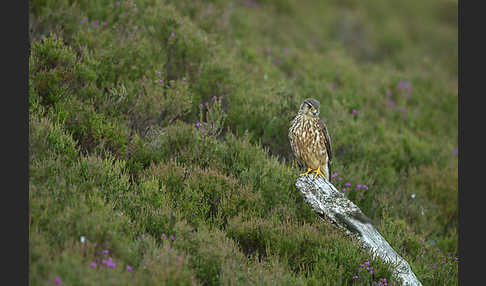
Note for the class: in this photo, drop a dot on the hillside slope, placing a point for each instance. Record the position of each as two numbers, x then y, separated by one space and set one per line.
158 150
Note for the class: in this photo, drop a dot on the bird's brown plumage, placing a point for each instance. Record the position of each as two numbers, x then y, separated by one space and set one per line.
309 138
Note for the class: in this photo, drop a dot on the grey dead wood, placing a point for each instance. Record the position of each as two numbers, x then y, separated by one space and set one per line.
331 204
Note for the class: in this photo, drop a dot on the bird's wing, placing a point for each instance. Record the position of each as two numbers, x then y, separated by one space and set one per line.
328 143
295 153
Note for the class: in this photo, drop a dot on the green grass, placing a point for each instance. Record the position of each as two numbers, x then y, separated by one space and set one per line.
119 96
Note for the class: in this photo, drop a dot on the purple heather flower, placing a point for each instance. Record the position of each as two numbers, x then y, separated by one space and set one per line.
355 112
405 84
111 264
198 124
164 236
251 3
57 280
211 126
172 237
454 151
85 19
95 23
355 277
201 105
358 186
340 179
107 261
344 190
172 35
93 264
161 81
117 3
347 184
403 109
367 262
129 268
334 175
158 73
365 187
203 130
388 94
106 251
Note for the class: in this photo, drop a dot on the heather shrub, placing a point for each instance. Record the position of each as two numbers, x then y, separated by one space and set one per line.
158 148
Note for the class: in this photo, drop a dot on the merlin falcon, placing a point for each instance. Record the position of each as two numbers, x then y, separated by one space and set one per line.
310 140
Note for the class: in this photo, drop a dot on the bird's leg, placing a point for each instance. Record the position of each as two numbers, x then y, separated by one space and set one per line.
318 172
307 173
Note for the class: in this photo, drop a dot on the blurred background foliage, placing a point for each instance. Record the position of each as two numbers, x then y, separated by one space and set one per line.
154 118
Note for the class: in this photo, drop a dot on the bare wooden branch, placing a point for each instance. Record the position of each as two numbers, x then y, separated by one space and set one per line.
332 204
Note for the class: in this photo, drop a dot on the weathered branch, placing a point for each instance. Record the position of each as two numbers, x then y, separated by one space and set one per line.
328 202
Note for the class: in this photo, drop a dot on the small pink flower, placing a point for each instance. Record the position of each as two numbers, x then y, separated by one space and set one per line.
129 268
93 264
454 152
57 280
355 112
172 237
117 3
106 251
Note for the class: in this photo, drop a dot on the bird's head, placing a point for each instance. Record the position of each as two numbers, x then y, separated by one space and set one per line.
310 107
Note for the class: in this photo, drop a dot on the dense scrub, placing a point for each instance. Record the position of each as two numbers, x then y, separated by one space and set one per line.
158 148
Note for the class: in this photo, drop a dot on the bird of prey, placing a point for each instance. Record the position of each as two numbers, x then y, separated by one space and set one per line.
310 140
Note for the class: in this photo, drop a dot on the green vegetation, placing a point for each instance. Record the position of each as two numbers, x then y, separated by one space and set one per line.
158 131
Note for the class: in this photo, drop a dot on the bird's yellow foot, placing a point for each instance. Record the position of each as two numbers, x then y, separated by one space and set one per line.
307 173
318 172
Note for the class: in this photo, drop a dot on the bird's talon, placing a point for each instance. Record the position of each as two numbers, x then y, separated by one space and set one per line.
306 173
